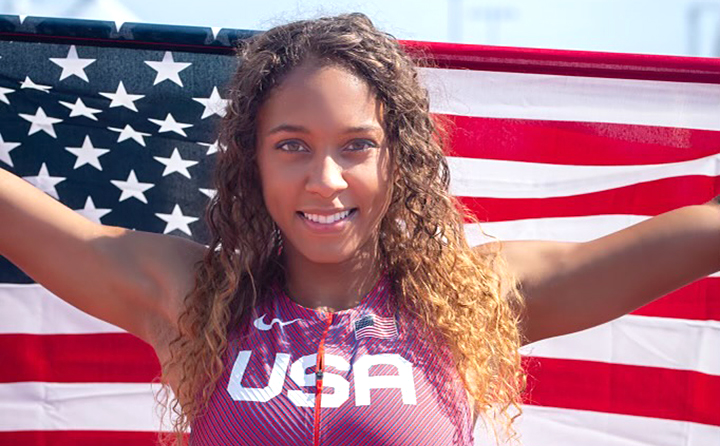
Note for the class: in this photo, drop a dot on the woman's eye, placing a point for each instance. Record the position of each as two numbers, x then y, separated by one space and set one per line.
355 146
361 144
291 146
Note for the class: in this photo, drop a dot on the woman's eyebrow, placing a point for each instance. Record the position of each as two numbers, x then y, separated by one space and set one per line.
288 128
301 129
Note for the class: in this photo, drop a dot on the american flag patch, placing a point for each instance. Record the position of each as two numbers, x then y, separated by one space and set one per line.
373 326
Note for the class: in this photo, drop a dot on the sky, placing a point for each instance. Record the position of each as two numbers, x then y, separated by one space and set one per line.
675 27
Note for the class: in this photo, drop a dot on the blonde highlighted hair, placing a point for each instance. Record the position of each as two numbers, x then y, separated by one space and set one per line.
461 295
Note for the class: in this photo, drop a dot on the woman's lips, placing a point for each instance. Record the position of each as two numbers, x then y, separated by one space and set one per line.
336 226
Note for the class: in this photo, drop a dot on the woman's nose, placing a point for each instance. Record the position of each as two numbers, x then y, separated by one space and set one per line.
326 178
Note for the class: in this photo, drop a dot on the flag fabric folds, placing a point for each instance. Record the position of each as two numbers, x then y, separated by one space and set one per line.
558 145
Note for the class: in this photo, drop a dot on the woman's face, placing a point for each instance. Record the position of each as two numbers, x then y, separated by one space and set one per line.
322 152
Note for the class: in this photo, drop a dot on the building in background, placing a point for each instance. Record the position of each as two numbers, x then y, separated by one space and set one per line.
680 27
673 27
113 10
704 28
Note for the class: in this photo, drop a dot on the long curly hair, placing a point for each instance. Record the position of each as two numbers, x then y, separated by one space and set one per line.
457 293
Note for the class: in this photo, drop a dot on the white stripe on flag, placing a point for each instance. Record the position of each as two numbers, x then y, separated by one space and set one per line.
565 229
475 177
561 229
71 406
33 309
625 341
572 98
131 407
551 426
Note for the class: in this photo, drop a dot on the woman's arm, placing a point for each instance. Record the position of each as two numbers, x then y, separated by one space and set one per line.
133 279
569 287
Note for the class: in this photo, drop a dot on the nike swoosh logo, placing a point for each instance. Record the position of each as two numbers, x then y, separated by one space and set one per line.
260 324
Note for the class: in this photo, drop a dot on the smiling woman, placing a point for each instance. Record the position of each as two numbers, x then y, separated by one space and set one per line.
326 176
330 145
339 301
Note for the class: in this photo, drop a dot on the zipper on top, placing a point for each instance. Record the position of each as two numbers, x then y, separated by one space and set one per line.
319 371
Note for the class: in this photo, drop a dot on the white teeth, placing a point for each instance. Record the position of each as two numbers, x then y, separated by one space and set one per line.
326 219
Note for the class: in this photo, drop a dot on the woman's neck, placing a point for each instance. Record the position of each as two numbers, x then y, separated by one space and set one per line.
331 286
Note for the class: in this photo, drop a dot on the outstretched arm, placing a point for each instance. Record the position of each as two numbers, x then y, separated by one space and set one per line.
133 279
569 287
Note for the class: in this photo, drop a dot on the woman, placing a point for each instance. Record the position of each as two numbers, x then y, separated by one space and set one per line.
339 260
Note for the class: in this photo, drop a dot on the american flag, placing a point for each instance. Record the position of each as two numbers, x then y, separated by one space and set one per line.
558 145
374 326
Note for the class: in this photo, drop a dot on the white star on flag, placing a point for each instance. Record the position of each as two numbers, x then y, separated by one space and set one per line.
128 132
3 94
168 69
5 148
87 154
177 220
80 109
45 182
132 188
72 65
215 31
40 121
214 105
176 164
91 212
212 148
208 192
28 83
122 98
170 125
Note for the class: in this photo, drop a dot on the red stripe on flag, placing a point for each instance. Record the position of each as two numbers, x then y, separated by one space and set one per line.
698 301
120 357
623 389
650 198
78 438
567 62
577 143
109 357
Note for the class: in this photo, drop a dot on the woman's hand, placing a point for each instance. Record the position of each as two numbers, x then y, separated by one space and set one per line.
569 287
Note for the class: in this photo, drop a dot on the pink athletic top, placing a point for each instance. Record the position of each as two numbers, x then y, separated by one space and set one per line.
376 380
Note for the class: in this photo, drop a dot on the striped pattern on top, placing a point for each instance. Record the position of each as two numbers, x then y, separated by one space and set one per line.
554 145
400 390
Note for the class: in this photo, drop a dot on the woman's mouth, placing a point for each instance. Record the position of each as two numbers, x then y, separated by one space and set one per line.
328 223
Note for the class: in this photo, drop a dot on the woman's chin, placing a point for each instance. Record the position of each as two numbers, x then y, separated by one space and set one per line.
328 252
328 255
